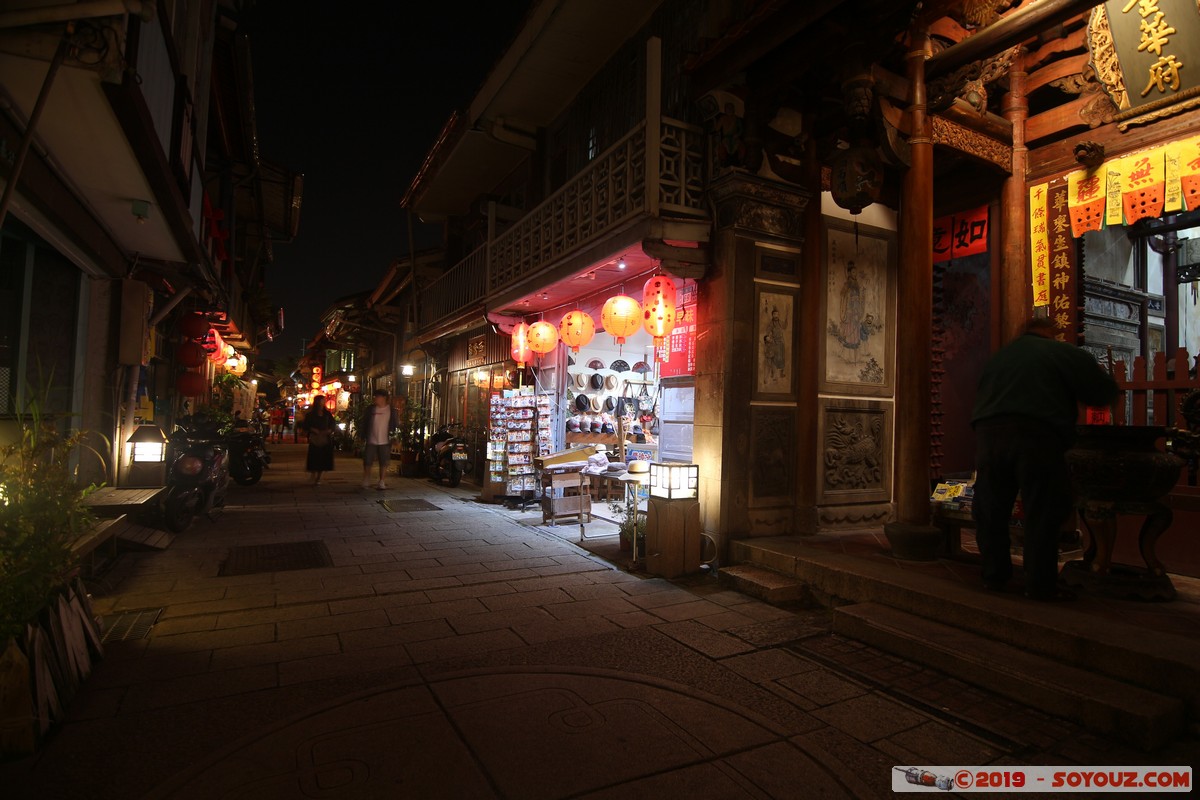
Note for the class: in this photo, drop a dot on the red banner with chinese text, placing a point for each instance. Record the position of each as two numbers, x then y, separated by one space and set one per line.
1189 171
1085 200
960 235
677 355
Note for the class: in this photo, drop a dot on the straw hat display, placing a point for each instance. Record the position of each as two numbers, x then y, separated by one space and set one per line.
581 380
612 383
596 403
597 381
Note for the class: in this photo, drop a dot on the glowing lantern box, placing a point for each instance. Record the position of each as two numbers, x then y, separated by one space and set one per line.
148 459
674 481
673 534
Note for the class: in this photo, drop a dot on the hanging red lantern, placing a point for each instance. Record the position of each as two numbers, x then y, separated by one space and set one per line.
621 317
576 329
520 345
191 384
189 354
543 337
193 326
658 308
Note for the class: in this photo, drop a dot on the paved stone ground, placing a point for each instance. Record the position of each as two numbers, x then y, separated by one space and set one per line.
456 653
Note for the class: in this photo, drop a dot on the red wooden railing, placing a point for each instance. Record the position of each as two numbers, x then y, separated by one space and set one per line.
1155 399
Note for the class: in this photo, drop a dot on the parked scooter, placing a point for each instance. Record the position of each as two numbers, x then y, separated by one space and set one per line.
198 475
248 456
448 456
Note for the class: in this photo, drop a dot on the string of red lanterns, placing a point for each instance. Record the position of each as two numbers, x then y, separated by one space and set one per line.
621 317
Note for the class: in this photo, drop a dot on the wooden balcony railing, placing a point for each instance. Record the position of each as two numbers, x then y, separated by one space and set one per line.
614 189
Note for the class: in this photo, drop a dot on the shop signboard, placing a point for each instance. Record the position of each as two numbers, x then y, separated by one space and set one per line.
677 355
1156 42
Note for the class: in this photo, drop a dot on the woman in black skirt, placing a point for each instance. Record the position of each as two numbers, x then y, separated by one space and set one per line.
319 424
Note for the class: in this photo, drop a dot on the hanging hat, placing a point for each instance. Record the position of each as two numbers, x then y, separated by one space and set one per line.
609 404
580 380
597 381
620 365
596 403
612 383
581 402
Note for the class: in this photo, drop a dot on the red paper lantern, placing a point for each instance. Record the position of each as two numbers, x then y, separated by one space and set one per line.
193 326
658 308
520 345
576 329
621 317
189 354
191 384
543 337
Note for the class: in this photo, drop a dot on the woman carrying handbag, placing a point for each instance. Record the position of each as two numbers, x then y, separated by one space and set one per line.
319 424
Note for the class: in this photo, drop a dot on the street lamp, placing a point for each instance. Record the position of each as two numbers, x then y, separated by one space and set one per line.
148 458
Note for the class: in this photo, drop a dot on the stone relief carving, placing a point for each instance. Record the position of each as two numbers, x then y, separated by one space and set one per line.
854 450
854 516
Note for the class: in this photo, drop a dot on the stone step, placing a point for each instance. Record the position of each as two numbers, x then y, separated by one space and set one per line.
1163 662
764 584
1143 718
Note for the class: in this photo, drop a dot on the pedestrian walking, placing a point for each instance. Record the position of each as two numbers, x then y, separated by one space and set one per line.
277 417
377 424
319 425
1024 420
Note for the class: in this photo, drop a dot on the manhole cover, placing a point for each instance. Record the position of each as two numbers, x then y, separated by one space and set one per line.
408 505
130 626
281 557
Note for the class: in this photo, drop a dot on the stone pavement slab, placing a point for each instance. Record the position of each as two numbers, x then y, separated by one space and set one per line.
460 653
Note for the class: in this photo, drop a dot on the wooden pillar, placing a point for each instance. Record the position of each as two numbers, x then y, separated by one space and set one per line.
1013 301
914 336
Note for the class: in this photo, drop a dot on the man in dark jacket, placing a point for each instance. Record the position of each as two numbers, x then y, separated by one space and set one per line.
1024 421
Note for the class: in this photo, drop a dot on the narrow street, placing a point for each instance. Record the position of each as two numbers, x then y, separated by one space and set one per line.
451 652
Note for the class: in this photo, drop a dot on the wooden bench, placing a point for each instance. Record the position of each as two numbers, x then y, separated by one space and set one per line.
103 530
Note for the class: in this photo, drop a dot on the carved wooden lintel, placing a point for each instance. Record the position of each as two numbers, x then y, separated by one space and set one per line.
971 143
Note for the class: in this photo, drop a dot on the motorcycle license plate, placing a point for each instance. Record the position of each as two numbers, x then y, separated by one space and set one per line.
459 456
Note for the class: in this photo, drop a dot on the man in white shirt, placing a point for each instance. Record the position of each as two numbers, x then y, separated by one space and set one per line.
377 425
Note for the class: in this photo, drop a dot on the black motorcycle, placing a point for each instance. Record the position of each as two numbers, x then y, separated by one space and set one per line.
197 475
448 456
248 456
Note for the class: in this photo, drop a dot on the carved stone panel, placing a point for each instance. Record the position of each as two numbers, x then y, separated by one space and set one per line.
759 207
855 451
772 448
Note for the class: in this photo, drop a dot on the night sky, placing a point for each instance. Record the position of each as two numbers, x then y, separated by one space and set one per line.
353 95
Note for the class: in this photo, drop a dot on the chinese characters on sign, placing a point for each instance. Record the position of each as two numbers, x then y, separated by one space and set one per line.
1039 245
960 235
1063 289
1156 43
1052 251
677 355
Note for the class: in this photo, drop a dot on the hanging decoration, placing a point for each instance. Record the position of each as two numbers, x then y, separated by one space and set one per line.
520 345
193 326
621 317
191 384
659 308
189 354
577 329
855 177
543 337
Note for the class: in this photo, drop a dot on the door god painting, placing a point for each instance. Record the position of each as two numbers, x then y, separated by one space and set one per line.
857 309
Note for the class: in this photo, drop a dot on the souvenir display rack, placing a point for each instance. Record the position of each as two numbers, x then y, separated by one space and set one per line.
519 431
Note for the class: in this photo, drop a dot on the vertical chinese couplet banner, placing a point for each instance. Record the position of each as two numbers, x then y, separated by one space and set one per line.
960 235
1039 243
1063 289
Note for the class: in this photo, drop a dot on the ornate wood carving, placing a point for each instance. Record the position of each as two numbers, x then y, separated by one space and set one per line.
855 452
965 140
752 204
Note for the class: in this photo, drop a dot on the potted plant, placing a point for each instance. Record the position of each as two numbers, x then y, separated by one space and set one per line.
48 635
629 523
